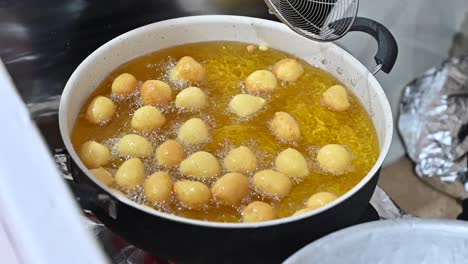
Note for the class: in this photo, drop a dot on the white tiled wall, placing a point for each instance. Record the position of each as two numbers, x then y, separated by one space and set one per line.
424 30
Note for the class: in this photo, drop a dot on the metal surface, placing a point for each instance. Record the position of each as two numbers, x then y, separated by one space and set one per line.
433 121
424 241
320 20
42 42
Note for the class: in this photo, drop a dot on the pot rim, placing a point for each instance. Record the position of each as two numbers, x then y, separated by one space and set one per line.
276 26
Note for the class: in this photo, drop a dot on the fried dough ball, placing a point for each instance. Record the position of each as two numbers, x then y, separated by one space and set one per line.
231 188
191 98
334 158
288 70
200 164
192 194
94 154
124 84
257 212
291 163
135 146
241 160
244 105
272 183
263 47
103 175
158 187
251 48
130 174
194 131
336 99
320 199
188 69
170 153
261 81
147 118
101 110
302 211
285 127
155 92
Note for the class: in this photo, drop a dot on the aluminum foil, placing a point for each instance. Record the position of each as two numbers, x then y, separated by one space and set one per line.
433 121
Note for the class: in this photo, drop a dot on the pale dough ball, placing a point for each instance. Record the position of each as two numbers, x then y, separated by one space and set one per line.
130 174
258 211
135 146
334 158
244 105
241 160
292 163
261 81
191 98
231 188
188 69
251 48
193 131
103 176
192 194
272 183
155 92
263 47
124 84
94 154
302 211
101 110
200 164
336 99
288 70
320 199
147 118
285 127
158 187
170 153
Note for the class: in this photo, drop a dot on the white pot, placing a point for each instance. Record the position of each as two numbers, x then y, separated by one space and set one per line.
96 67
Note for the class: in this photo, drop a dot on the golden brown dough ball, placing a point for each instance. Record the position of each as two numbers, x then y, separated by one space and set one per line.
334 158
258 211
272 183
194 131
200 164
285 127
231 188
192 194
101 110
130 174
320 199
292 163
188 69
135 146
288 70
155 92
261 81
336 99
244 105
124 84
241 160
103 175
302 211
158 187
94 154
170 153
191 98
147 118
